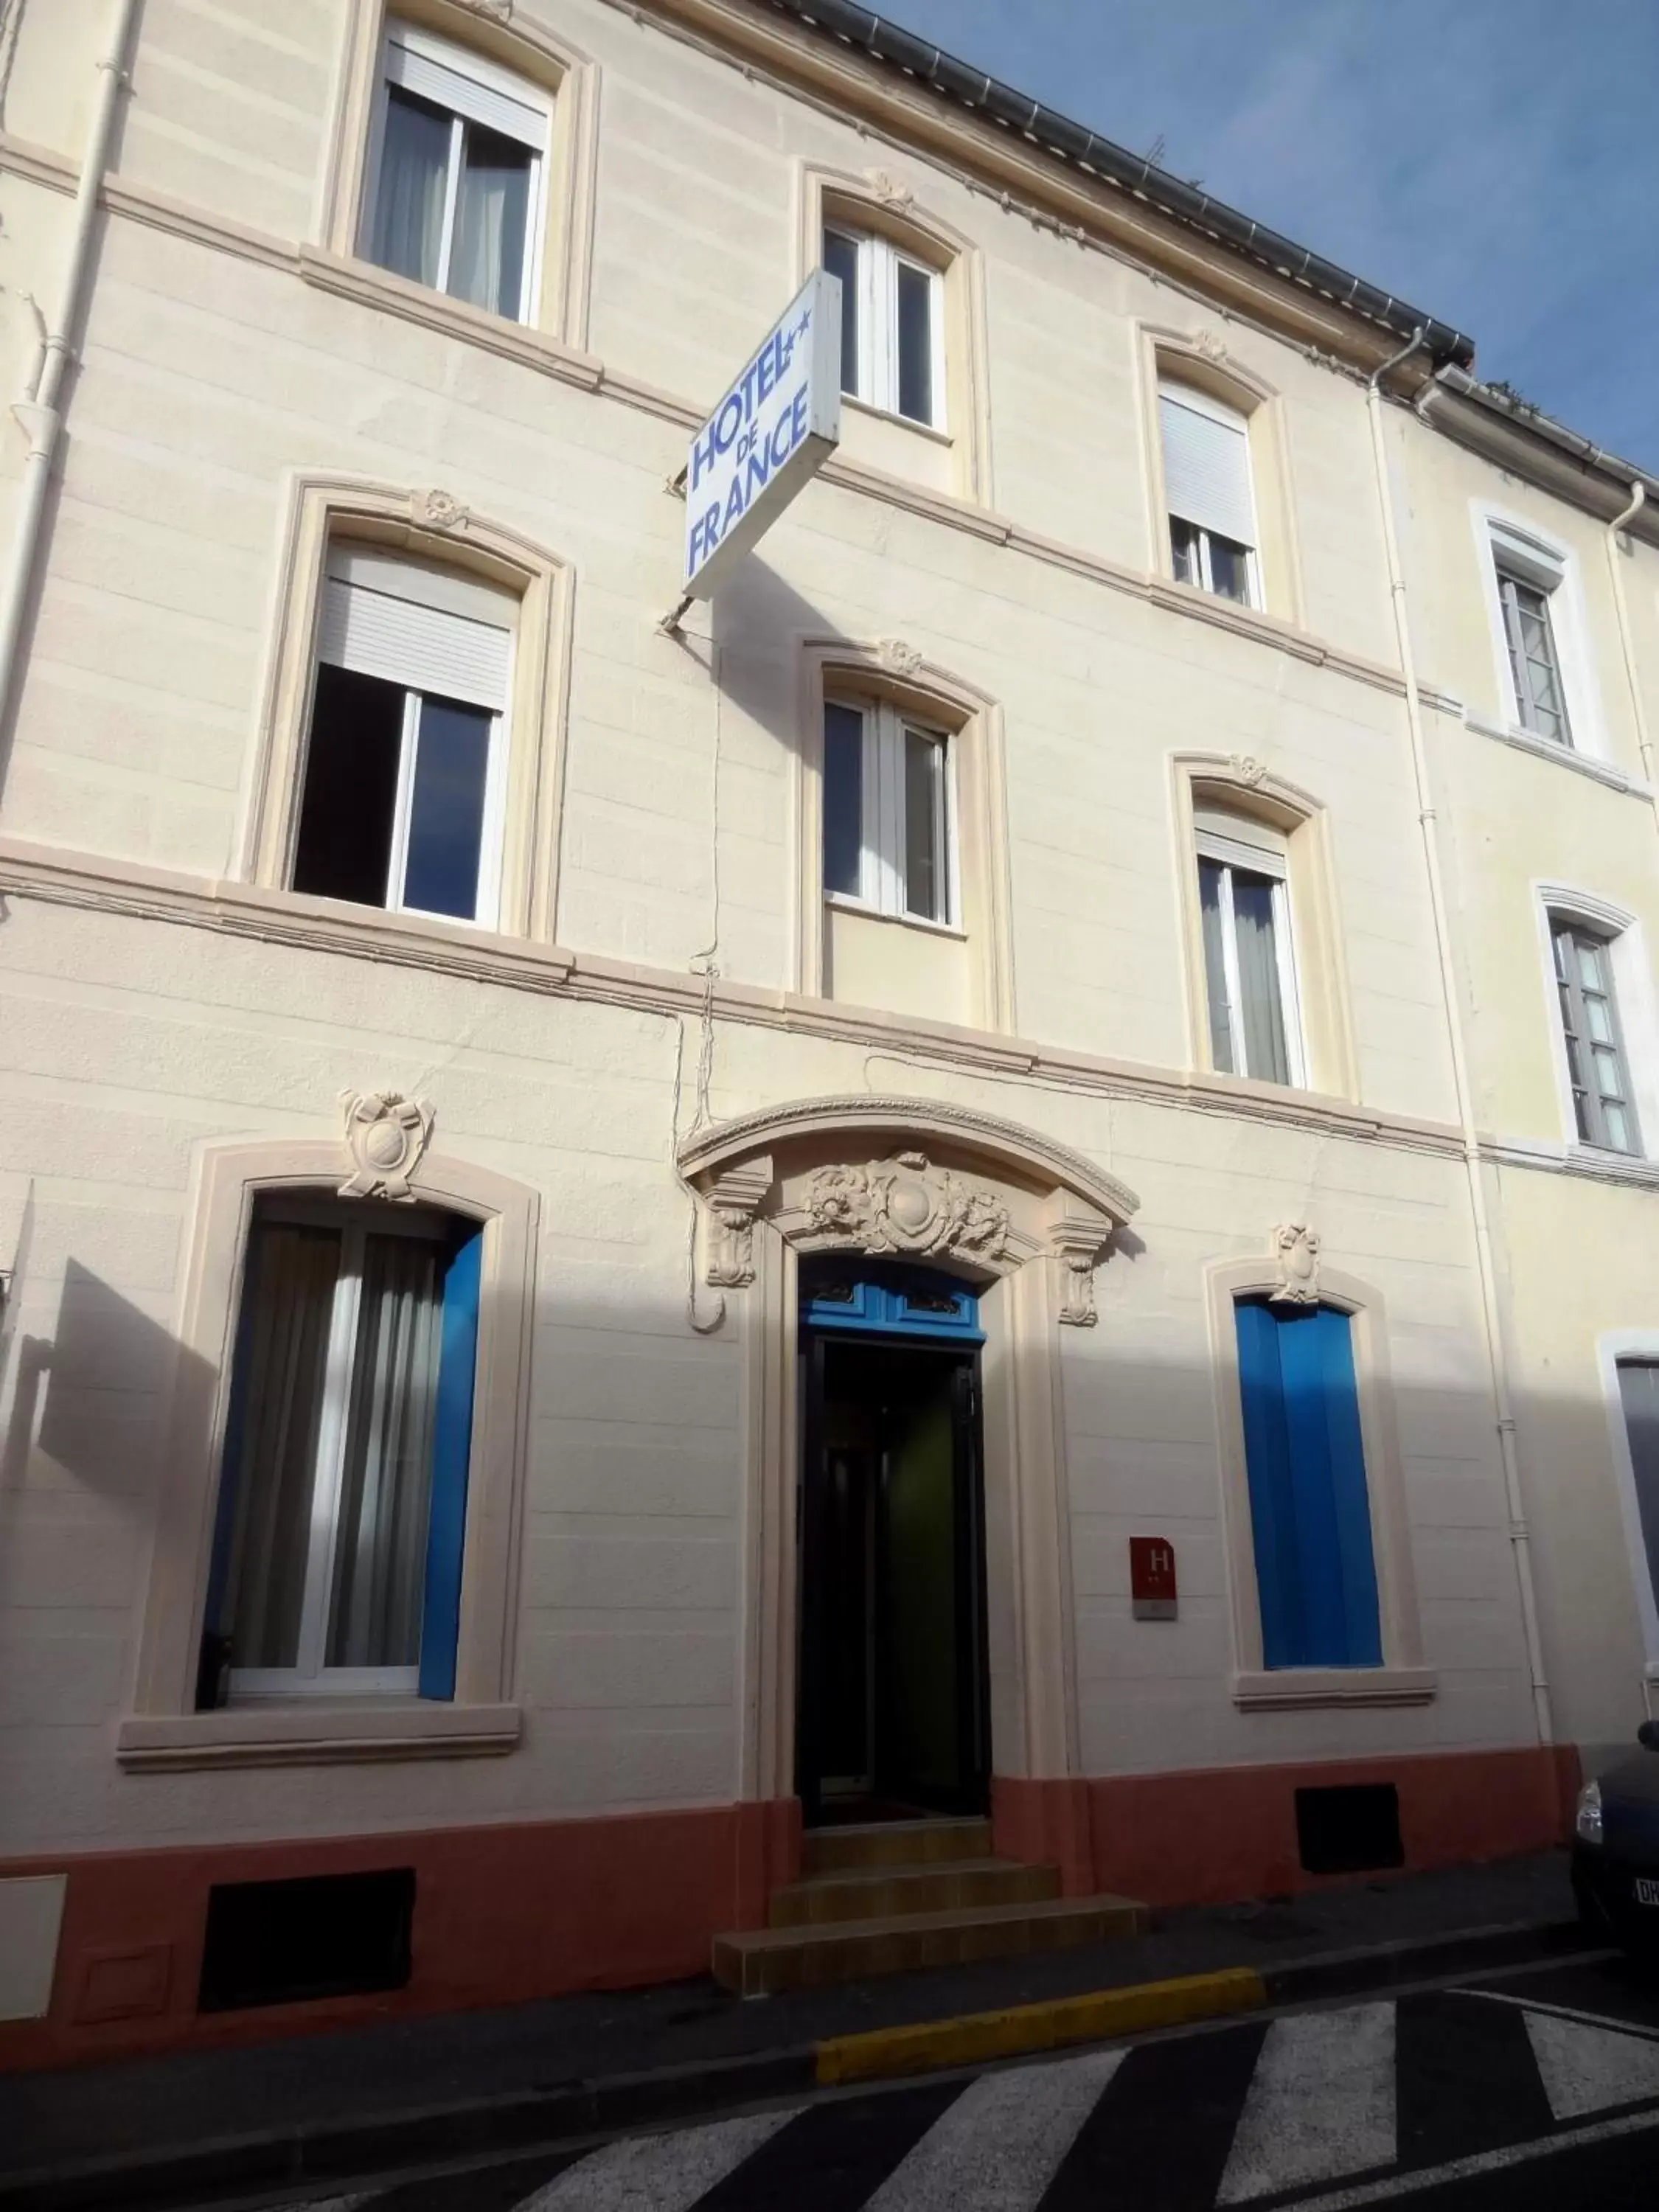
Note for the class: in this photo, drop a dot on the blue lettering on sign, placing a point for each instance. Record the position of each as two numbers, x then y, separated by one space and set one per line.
736 411
765 456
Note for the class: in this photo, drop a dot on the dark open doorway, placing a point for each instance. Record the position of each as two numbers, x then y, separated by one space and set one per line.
891 1721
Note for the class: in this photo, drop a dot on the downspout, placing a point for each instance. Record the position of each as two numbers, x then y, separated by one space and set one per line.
1485 1266
38 410
1638 495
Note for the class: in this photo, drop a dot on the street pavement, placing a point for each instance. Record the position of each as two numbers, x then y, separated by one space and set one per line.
1526 2090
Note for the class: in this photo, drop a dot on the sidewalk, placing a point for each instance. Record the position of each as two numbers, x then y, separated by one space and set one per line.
332 2105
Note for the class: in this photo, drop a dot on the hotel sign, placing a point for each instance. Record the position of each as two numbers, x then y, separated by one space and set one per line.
776 425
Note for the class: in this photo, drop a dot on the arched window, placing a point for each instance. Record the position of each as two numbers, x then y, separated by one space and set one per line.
337 1555
1249 954
1208 491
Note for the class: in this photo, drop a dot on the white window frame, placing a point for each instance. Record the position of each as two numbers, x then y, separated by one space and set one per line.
444 594
310 1676
1234 418
474 92
881 886
1511 543
1271 861
1634 1005
879 263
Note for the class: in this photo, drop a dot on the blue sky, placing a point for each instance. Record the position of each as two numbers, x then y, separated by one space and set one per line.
1496 162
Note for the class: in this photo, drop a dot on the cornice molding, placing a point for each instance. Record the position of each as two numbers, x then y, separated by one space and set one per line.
56 876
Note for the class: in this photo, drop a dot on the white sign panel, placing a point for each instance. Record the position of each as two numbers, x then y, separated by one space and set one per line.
777 426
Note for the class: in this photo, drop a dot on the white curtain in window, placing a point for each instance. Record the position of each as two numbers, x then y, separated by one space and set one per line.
386 1487
409 209
1260 990
487 262
1207 465
292 1273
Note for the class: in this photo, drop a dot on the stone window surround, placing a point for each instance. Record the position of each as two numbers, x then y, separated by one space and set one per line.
163 1730
972 721
1247 787
1402 1679
1202 359
1633 997
1032 1221
1587 729
569 173
886 204
430 525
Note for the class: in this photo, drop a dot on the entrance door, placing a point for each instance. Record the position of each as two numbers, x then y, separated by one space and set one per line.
892 1702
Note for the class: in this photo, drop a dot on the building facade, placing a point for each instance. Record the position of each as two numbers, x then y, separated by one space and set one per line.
616 1221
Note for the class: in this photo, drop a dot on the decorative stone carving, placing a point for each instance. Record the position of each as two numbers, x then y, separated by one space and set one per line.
904 1205
1247 770
1211 344
386 1135
1296 1249
893 191
439 510
731 1199
1079 1243
899 658
498 11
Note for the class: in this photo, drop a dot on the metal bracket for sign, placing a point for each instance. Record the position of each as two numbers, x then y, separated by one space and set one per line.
669 624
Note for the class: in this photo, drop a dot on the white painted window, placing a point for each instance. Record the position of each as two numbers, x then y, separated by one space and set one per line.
1207 490
892 326
320 1577
1598 1069
1250 960
1529 575
888 841
405 761
455 174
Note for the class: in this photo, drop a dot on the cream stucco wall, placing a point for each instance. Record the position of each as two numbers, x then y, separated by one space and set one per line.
156 1001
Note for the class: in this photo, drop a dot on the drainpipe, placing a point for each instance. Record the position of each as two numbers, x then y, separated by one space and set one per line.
1638 495
38 410
1486 1268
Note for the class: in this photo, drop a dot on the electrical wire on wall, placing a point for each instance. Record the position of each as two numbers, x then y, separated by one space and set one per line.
703 963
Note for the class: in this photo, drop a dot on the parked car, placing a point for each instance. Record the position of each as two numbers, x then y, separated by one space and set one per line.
1615 1852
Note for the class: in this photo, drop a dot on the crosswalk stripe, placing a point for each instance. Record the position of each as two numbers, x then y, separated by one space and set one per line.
998 2148
1321 2104
1590 2069
657 2173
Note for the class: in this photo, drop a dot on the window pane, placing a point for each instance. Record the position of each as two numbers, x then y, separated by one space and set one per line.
1619 1134
843 799
491 219
915 343
408 210
380 1555
447 808
1261 1012
344 844
1215 966
270 1459
1229 569
1589 963
1183 551
1639 1388
924 841
841 258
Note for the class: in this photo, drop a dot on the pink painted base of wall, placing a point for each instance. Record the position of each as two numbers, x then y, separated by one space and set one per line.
1217 1834
505 1915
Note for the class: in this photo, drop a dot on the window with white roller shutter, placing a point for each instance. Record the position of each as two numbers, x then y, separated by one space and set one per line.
457 164
1207 491
406 756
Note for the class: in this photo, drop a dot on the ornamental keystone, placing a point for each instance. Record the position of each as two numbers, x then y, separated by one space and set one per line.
386 1135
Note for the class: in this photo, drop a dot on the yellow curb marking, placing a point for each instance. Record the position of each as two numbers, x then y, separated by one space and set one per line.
977 2036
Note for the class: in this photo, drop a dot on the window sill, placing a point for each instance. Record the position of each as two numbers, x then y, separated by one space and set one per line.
315 1734
374 287
843 902
1528 741
901 422
1575 1159
1290 1688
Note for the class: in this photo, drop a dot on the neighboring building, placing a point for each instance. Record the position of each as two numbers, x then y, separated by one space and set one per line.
614 1229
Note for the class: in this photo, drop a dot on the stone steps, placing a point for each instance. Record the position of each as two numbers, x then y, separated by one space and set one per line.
883 1893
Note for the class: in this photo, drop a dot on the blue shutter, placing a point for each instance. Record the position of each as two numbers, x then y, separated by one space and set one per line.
452 1452
1309 1509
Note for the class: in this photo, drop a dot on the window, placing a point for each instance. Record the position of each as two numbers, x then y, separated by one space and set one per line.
404 767
1639 1397
1310 1503
892 326
455 194
1249 965
1207 486
337 1554
1529 575
1597 1070
887 811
